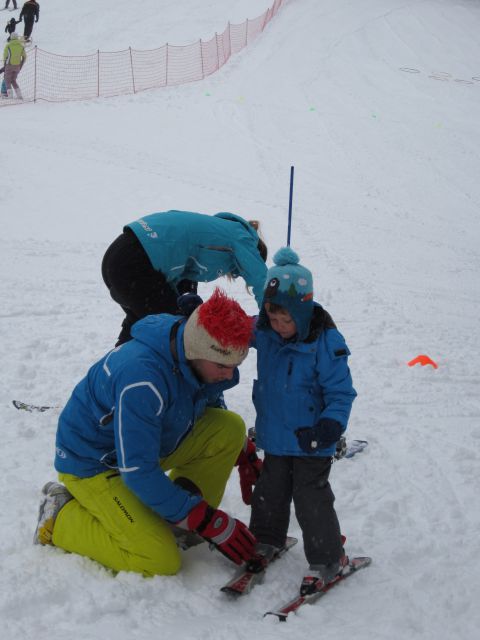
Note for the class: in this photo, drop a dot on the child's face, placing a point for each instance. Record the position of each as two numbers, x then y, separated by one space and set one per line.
281 322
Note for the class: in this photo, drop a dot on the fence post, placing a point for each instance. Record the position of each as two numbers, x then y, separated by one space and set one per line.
166 68
131 68
201 57
266 16
229 39
98 73
35 76
218 58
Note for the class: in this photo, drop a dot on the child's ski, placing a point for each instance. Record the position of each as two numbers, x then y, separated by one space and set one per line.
253 572
293 605
355 446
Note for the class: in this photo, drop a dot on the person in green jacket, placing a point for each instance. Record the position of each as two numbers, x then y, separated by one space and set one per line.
164 255
14 57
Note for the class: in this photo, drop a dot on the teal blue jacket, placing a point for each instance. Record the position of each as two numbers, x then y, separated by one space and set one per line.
199 247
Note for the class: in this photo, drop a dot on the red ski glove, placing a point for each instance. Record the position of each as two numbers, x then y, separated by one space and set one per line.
230 536
249 467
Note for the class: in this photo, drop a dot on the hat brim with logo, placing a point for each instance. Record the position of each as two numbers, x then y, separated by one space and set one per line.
218 330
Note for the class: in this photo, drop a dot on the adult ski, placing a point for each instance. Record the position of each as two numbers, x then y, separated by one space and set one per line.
31 407
282 611
253 572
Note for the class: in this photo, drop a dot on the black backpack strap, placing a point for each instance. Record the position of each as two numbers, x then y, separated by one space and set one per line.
173 345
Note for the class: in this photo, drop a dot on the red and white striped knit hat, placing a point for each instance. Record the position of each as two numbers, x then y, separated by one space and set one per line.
218 330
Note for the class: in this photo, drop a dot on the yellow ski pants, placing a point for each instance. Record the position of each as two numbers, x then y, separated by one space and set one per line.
106 522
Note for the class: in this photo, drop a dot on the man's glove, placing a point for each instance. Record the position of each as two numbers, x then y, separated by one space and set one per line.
188 302
323 434
249 467
230 536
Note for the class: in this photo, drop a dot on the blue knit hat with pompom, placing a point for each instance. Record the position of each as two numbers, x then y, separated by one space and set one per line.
290 285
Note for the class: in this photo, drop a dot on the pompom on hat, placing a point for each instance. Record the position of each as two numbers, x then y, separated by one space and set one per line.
218 330
290 286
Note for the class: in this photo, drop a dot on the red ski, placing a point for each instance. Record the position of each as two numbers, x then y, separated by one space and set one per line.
354 565
253 573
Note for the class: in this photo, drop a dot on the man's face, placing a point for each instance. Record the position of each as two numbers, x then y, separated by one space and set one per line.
210 372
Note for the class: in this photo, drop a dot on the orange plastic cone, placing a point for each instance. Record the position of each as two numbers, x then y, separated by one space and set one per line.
423 360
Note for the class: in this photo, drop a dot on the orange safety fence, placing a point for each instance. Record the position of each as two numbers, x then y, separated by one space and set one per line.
56 78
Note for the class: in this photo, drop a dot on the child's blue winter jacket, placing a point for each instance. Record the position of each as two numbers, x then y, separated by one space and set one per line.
299 383
134 406
194 246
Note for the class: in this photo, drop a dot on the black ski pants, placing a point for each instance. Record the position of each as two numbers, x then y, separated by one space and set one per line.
28 28
305 481
137 287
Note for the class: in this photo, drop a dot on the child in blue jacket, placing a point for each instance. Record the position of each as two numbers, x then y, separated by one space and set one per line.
303 397
165 254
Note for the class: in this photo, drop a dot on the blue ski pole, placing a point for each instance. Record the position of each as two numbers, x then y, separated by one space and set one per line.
290 207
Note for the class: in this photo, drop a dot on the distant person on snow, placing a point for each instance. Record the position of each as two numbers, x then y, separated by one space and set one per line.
163 255
145 409
7 3
303 397
10 28
14 57
30 12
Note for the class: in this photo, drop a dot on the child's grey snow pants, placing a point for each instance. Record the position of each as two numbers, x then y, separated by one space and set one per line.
305 481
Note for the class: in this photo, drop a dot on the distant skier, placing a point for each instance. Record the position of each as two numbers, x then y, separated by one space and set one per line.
10 28
30 12
14 57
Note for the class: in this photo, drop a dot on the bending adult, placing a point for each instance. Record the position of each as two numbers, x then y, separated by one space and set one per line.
146 408
163 255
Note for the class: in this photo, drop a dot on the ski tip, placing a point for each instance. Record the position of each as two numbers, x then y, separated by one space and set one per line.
291 541
30 407
282 617
360 561
18 405
231 592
